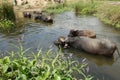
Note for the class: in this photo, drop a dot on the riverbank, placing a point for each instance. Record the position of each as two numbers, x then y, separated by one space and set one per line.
109 13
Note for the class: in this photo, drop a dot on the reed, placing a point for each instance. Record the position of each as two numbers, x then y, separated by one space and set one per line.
7 17
7 11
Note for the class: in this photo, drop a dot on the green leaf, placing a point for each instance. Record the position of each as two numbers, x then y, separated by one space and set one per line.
5 68
1 78
24 77
38 78
57 77
6 60
9 74
1 61
33 62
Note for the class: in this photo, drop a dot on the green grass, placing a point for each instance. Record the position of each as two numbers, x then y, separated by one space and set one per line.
109 14
42 66
87 8
59 8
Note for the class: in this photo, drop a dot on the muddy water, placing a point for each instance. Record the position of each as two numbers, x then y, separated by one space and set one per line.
41 36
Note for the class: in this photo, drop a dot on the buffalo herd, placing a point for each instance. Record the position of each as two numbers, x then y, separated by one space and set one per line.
39 16
86 40
79 39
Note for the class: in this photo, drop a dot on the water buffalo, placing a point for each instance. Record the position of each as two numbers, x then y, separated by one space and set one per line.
48 19
87 33
44 18
93 46
27 14
60 41
38 16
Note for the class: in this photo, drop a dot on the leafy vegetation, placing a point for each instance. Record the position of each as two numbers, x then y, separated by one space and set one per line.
43 66
87 8
7 11
7 17
58 8
6 25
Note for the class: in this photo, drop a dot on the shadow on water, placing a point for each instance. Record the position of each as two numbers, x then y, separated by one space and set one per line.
37 35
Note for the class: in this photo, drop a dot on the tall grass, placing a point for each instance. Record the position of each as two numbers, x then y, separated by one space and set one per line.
7 11
42 66
109 14
60 8
85 8
7 17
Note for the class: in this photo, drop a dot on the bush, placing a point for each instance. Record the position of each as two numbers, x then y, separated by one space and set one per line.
44 66
6 25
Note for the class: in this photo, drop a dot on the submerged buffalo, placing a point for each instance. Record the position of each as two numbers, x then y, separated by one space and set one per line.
60 42
44 18
93 46
27 14
87 33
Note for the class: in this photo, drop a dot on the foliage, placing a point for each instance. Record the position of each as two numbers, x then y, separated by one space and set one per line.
110 14
7 11
107 11
85 8
7 16
43 66
59 7
6 25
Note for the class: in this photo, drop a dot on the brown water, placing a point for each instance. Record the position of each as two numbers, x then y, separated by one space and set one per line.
41 36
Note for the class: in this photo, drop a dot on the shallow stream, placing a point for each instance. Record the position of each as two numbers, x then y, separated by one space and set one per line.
41 36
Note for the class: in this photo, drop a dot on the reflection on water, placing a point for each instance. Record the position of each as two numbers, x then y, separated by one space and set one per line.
41 36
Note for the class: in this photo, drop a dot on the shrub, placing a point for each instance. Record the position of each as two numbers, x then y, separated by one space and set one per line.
6 25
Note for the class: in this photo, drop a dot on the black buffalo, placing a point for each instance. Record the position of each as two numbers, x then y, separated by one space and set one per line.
93 46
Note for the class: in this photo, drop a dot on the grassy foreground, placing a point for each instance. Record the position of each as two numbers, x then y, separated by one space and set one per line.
42 66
